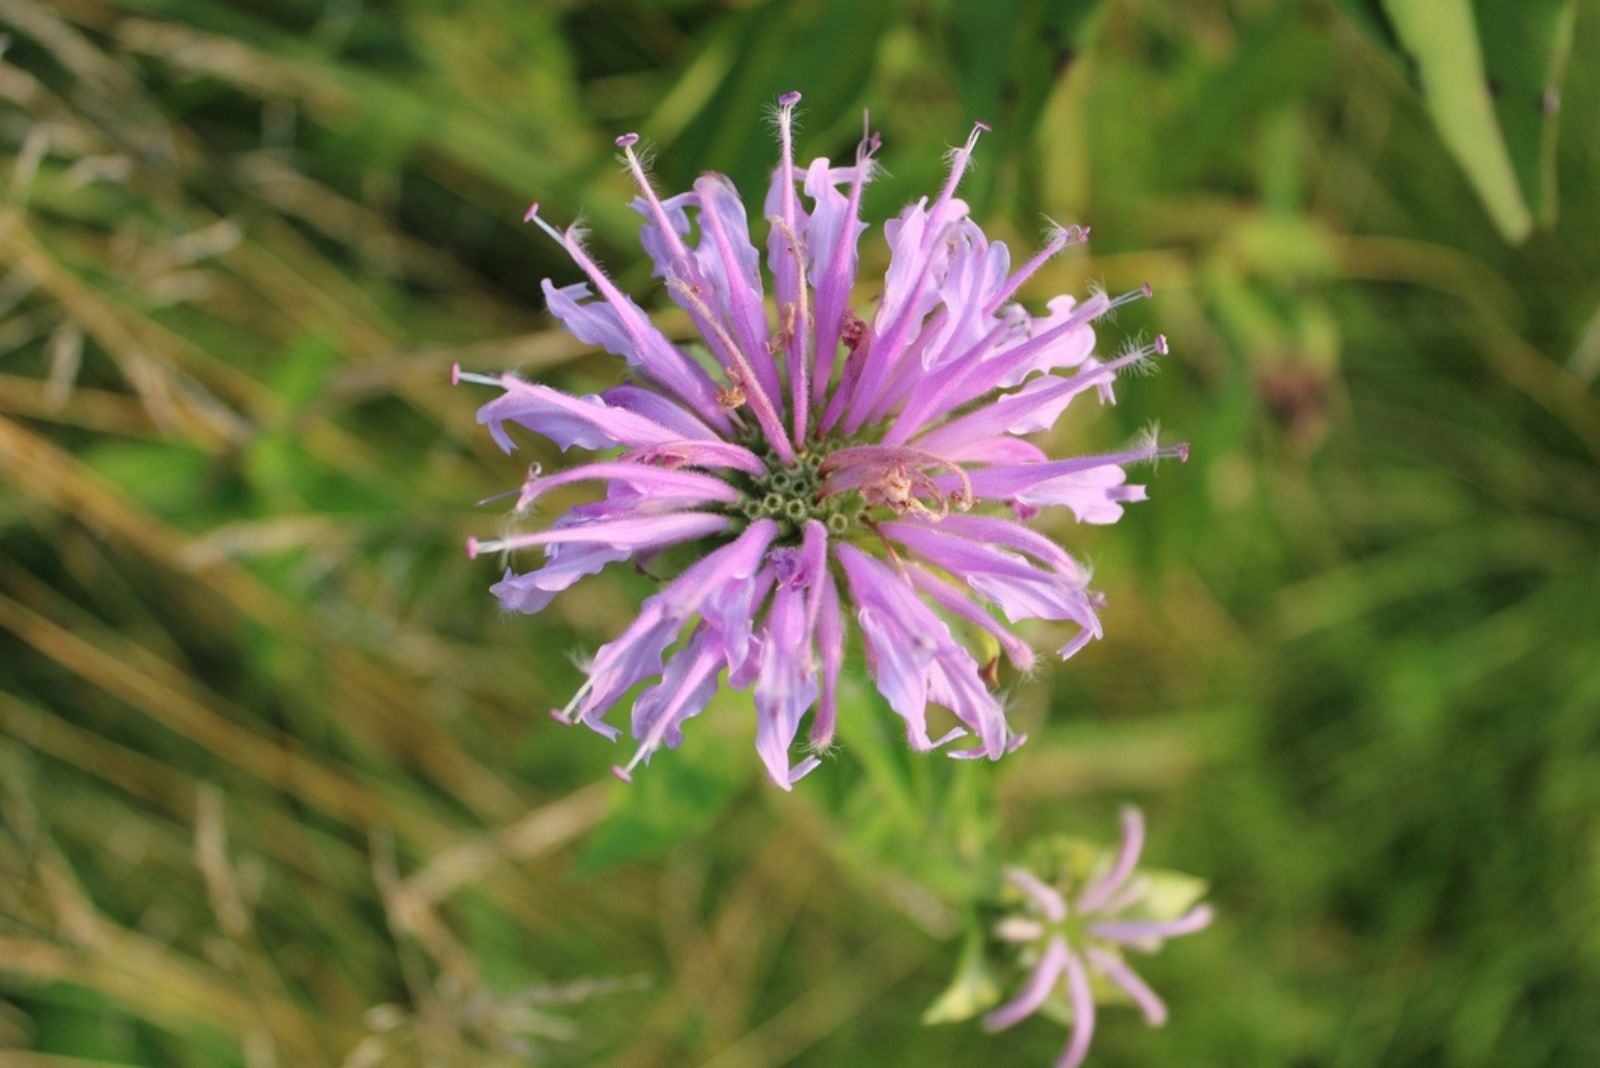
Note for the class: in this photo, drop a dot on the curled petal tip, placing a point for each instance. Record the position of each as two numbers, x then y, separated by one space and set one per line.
870 142
1062 236
627 140
789 99
801 770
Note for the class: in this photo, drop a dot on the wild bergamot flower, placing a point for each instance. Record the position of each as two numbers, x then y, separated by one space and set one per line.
1072 944
824 462
1067 922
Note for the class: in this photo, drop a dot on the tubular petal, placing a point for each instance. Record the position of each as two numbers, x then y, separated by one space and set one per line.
1041 981
1098 893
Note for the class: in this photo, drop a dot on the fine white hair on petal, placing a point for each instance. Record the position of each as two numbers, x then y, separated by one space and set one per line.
1086 565
509 525
1150 438
1072 234
578 231
831 748
772 114
953 155
1006 700
1152 434
1131 344
643 151
1146 364
1097 288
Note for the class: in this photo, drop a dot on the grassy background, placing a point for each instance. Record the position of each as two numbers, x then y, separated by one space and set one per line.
276 783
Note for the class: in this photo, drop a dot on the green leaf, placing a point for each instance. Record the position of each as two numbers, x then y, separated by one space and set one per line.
1490 71
1169 894
876 746
675 797
1442 37
973 989
1525 46
1369 15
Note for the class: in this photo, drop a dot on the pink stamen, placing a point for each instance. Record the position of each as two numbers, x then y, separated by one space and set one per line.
958 167
1060 238
828 344
458 376
748 313
799 364
689 283
681 376
917 409
658 211
795 343
881 362
761 405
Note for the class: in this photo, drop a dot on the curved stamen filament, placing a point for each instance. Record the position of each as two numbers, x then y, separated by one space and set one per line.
760 404
1060 238
799 357
852 455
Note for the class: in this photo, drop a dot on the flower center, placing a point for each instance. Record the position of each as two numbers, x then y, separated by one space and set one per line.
793 494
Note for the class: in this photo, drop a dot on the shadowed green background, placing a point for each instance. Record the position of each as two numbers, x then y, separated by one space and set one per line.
277 785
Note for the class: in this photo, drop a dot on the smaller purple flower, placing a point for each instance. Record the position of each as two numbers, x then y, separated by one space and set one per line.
1076 942
1068 924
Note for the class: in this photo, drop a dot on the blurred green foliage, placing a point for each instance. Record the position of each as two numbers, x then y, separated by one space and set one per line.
278 785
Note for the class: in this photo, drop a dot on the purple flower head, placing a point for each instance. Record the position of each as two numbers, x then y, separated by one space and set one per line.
1072 935
836 454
